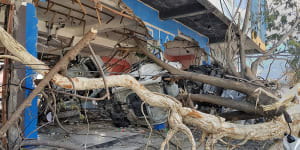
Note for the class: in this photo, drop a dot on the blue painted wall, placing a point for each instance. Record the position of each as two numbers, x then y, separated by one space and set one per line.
256 11
164 31
258 16
31 41
264 25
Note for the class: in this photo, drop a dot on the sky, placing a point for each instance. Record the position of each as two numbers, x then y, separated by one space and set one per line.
277 69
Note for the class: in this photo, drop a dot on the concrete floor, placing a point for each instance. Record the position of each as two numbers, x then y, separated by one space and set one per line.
103 135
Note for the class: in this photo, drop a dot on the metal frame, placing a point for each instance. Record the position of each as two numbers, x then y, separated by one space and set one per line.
5 88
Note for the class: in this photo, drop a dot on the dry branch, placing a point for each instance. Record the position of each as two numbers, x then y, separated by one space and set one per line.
58 67
53 111
246 88
255 64
206 122
178 114
235 104
19 51
265 131
81 6
242 39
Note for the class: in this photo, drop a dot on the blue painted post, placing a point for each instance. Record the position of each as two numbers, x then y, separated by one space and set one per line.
31 41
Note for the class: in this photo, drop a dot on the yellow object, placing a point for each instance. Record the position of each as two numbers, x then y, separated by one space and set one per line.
257 40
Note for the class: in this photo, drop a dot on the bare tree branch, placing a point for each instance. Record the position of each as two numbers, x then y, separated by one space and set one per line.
247 16
234 104
254 65
178 114
269 70
59 66
242 38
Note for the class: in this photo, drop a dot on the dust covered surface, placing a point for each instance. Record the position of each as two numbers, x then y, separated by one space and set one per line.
104 135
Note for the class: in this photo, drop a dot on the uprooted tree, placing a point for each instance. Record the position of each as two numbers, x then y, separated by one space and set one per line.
262 100
216 127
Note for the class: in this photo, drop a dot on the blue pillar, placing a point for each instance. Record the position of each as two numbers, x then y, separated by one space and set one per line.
31 113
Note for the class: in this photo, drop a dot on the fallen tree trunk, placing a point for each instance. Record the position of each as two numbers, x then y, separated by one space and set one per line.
238 115
274 129
79 83
246 88
62 64
178 114
219 82
244 106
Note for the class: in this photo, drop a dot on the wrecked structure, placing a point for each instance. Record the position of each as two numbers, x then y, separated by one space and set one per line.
179 33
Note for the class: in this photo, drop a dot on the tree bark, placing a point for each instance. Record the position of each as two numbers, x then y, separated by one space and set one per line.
206 122
178 114
59 66
246 107
245 88
263 131
17 50
242 39
179 74
247 16
242 55
238 115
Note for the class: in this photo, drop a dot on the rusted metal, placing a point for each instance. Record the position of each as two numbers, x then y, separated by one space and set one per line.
82 8
130 33
98 15
5 89
109 20
117 12
90 7
58 67
112 65
7 2
98 7
71 9
61 13
113 55
49 6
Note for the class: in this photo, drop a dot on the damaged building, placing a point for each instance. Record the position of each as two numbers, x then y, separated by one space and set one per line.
181 33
